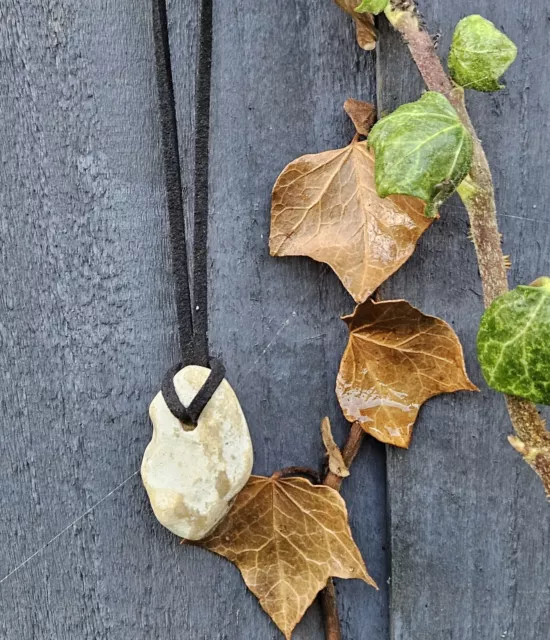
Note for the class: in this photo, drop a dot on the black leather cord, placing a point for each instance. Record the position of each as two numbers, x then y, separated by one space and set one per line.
191 303
190 415
201 200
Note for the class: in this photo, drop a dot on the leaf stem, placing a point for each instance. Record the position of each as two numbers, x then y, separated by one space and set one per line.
329 603
289 472
329 606
478 195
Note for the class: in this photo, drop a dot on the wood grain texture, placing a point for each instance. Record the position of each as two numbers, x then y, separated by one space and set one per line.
87 324
470 525
280 76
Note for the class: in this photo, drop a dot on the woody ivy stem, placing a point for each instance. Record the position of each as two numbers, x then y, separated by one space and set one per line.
329 603
478 195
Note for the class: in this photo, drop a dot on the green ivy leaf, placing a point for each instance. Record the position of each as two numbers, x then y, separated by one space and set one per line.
480 54
422 149
372 6
513 342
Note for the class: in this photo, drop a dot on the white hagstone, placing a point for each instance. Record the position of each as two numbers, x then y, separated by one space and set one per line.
191 476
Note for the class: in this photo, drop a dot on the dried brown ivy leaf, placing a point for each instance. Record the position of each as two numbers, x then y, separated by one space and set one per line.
395 360
362 114
336 462
325 206
364 24
288 537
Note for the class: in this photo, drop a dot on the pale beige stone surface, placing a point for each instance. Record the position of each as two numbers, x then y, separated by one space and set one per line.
192 476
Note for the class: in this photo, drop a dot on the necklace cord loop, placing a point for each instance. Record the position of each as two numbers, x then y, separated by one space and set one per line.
190 415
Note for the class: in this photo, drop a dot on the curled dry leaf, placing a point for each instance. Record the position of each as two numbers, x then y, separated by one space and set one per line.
362 114
325 206
288 537
395 360
336 462
364 24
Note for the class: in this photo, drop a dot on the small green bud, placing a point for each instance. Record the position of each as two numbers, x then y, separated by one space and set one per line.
513 343
480 54
372 6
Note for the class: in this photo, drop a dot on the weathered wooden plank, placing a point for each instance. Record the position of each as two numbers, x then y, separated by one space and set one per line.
88 327
469 521
280 75
279 78
87 324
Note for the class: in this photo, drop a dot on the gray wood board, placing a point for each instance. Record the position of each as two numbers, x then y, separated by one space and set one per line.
470 525
280 75
87 325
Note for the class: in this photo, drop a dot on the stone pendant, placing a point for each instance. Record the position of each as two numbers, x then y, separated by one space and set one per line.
192 474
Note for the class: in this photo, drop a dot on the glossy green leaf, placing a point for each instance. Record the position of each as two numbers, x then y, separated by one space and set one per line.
513 342
372 6
480 54
422 149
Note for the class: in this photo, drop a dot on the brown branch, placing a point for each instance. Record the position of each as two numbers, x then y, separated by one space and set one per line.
478 195
329 606
329 603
